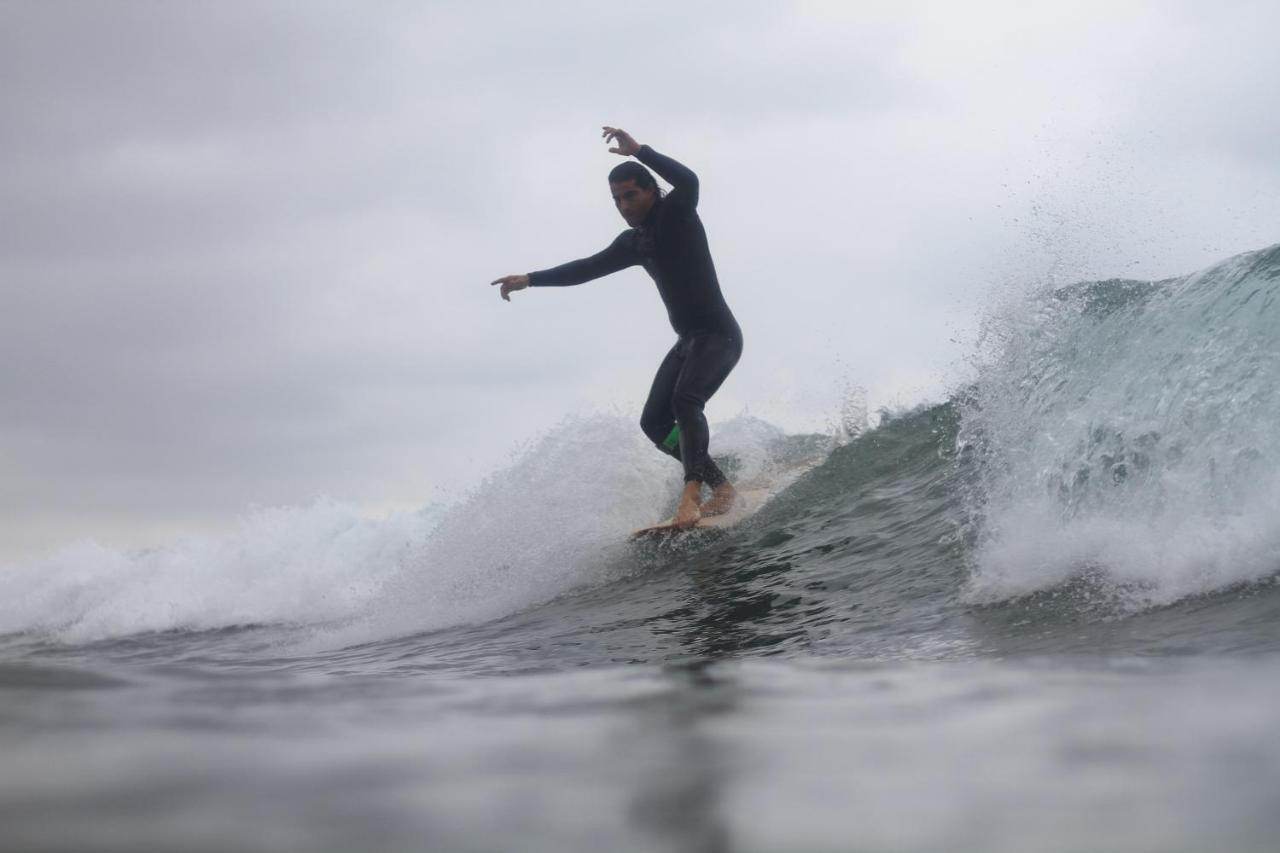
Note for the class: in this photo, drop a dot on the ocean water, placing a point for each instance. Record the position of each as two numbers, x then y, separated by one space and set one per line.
1044 615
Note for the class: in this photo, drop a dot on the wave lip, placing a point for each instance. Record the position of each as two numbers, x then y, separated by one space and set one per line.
1128 429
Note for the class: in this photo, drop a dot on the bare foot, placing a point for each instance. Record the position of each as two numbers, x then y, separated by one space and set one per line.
721 500
688 514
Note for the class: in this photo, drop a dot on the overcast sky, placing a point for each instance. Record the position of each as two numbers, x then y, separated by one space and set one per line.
245 247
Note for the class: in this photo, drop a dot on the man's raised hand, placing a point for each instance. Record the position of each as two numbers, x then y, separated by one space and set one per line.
510 283
627 146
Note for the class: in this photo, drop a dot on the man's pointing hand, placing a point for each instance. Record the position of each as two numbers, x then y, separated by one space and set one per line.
510 283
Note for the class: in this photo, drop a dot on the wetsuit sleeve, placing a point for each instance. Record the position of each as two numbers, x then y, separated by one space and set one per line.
682 179
618 255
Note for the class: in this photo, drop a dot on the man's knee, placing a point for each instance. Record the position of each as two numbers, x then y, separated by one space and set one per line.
655 427
687 405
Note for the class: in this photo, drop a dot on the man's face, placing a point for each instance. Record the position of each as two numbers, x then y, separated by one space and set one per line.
633 203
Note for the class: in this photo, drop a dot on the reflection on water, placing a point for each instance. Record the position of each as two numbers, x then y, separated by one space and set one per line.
681 767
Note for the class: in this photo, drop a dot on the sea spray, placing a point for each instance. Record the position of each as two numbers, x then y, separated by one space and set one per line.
1128 431
557 519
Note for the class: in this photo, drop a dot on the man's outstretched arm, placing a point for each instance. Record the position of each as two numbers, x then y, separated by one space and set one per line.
682 179
616 256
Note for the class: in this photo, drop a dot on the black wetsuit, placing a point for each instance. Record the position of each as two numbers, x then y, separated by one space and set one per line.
672 247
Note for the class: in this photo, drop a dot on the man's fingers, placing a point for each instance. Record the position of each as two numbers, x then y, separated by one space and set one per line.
626 146
510 283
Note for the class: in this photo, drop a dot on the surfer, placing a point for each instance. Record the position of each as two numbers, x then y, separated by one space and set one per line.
666 237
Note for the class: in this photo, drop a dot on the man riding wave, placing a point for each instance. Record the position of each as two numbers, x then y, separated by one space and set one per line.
666 237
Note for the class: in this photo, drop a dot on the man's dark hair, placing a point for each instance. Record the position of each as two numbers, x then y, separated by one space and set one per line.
633 171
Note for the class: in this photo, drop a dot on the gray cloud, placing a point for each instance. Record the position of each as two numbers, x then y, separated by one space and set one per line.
244 249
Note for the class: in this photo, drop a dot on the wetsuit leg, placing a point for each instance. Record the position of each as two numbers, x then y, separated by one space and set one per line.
692 371
709 357
657 420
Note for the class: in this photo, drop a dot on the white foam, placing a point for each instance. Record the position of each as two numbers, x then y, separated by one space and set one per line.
283 565
1150 561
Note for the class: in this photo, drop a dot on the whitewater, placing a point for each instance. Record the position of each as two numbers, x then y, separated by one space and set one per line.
1043 614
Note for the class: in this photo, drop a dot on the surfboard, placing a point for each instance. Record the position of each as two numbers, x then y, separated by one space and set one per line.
748 501
751 497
